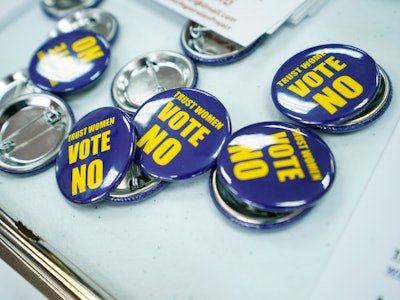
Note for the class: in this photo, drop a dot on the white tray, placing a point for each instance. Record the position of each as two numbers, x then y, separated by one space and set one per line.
176 245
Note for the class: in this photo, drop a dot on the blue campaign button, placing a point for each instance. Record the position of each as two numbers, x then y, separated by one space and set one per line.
96 155
270 174
180 133
327 85
70 61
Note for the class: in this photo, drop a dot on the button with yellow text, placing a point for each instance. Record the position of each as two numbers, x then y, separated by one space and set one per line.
270 174
95 156
334 87
70 61
180 133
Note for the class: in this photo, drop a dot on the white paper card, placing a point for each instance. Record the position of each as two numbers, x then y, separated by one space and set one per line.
238 20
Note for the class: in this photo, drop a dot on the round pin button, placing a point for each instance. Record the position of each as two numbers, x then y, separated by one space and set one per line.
16 84
149 74
70 61
333 87
96 155
208 47
92 19
32 129
180 133
61 8
271 174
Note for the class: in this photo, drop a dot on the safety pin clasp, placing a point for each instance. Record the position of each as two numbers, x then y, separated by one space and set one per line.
151 66
52 116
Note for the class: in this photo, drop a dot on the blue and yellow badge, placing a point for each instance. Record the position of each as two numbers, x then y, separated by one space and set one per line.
334 87
70 61
96 155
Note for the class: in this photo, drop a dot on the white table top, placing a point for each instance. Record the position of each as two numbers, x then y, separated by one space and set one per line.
176 245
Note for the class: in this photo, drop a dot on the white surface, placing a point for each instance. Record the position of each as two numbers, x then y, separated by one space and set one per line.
369 247
176 245
15 287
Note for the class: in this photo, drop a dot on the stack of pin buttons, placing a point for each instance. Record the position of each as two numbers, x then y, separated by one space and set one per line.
269 175
334 87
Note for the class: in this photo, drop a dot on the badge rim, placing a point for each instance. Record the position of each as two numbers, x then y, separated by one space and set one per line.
142 193
221 59
248 221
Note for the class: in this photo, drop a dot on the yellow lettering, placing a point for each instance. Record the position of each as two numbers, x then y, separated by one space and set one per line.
299 88
240 153
73 153
168 111
248 163
78 180
199 135
167 151
87 49
335 63
347 87
95 174
312 79
329 100
84 149
290 174
105 141
151 139
250 169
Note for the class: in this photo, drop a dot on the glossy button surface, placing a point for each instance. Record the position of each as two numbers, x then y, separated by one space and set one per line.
96 155
326 84
70 61
276 167
180 133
